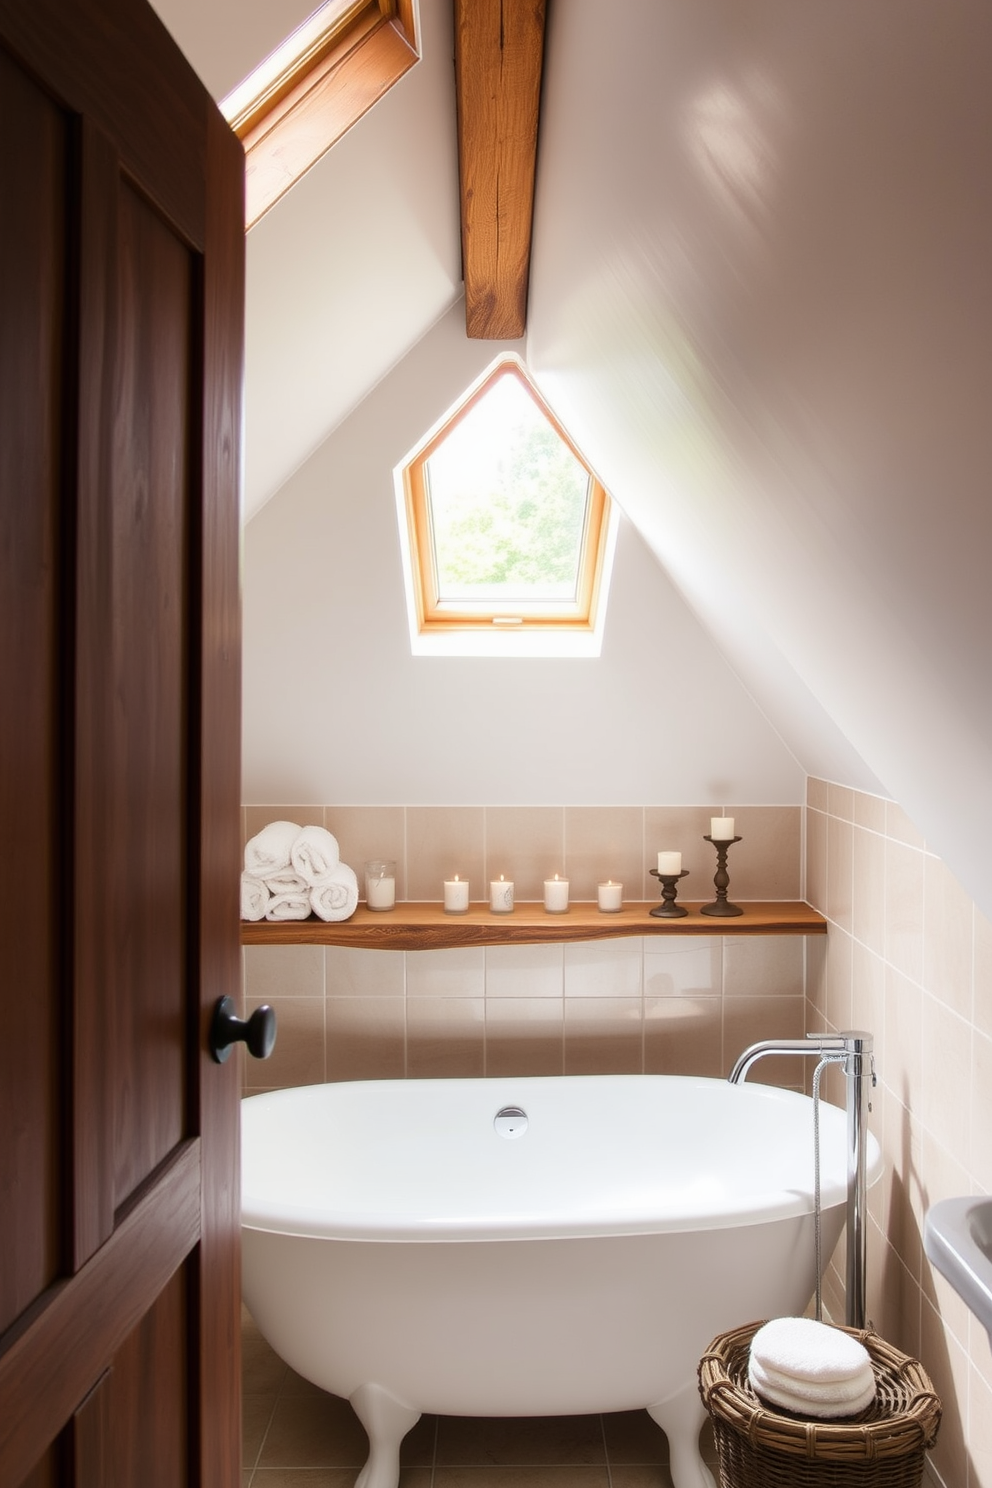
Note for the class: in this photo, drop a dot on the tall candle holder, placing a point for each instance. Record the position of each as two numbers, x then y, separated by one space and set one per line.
721 878
668 909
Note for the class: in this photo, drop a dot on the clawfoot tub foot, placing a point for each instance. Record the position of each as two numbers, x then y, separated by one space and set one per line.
681 1419
386 1421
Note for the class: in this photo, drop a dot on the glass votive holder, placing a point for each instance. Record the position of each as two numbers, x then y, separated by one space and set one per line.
456 895
501 895
380 883
610 897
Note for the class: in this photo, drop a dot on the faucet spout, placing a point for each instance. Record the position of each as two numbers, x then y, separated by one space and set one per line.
852 1048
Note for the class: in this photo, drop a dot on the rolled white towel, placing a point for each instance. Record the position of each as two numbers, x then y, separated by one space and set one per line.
286 882
268 851
823 1410
337 897
289 906
314 854
809 1351
254 898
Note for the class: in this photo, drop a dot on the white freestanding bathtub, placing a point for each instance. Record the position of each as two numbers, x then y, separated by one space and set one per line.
418 1245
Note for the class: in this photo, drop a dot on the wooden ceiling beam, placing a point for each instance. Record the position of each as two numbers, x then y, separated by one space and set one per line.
499 54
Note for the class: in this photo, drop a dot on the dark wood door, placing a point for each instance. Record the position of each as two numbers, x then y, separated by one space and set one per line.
121 290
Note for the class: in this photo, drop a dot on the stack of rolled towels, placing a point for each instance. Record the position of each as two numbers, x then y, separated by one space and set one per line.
292 871
810 1369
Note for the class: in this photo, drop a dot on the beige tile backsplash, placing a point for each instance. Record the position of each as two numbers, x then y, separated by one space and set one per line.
909 957
625 1005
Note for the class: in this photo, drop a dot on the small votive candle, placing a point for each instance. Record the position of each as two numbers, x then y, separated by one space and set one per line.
380 883
610 897
501 895
556 895
455 895
669 863
722 828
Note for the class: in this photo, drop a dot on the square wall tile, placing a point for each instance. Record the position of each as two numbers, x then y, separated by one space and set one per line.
900 1057
690 967
767 864
458 972
603 968
816 860
946 1078
350 971
365 832
763 966
525 844
841 801
840 869
601 843
869 812
746 1020
983 972
683 1036
366 1038
868 889
440 842
298 1056
524 1036
948 939
905 869
519 971
899 827
445 1037
818 794
277 971
679 829
604 1036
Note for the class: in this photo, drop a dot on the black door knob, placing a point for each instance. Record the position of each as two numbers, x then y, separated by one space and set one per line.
226 1029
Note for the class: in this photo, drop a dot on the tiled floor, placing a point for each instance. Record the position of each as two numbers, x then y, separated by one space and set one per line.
296 1436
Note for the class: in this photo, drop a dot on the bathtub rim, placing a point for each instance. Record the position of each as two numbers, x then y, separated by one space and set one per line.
373 1227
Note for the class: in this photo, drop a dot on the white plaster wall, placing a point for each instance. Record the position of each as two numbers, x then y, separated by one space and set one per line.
764 305
337 709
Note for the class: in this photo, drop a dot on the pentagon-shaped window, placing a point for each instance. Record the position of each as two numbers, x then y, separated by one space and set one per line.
507 531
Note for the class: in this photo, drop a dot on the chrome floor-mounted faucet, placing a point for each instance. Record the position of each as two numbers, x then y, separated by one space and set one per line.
854 1051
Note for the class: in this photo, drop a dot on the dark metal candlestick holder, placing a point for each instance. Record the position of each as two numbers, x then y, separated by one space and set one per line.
668 909
720 879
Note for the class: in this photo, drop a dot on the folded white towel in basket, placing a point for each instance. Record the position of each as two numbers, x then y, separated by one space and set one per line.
269 850
294 906
810 1351
314 854
810 1369
254 898
336 898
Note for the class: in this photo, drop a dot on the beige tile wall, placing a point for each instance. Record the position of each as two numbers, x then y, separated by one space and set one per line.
688 1006
528 844
909 957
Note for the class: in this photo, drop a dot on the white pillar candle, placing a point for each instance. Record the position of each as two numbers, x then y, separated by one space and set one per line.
610 896
501 895
556 895
455 895
722 828
669 863
380 884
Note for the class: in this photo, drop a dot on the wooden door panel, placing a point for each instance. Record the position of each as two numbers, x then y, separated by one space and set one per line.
149 675
32 286
121 276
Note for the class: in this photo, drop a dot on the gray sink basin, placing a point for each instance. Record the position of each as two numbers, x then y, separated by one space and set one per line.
957 1237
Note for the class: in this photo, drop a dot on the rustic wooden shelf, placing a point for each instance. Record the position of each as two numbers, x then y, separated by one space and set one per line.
425 927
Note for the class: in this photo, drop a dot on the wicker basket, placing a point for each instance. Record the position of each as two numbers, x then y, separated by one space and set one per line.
759 1447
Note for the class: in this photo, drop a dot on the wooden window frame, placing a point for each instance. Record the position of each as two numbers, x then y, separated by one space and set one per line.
319 95
437 617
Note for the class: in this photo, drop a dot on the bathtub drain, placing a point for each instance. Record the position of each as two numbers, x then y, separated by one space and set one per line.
510 1122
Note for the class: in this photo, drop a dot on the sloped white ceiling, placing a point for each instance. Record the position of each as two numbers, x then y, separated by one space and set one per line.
764 303
351 268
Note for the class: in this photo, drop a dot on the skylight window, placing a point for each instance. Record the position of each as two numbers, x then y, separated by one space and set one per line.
506 529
